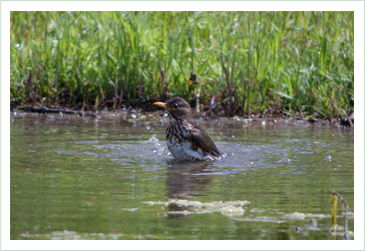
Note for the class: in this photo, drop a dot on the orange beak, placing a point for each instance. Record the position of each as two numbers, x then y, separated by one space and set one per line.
161 104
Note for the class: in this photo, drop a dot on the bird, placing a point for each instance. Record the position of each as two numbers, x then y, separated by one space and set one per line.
184 137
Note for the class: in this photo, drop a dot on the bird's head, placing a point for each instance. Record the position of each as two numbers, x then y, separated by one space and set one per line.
177 107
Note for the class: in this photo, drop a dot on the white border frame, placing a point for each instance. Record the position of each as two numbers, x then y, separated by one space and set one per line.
356 6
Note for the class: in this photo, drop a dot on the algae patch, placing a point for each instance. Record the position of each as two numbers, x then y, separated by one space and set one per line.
227 208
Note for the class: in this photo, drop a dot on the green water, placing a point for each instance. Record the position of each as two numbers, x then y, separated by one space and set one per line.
112 178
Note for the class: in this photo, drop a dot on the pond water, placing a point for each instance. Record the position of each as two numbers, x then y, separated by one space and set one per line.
112 177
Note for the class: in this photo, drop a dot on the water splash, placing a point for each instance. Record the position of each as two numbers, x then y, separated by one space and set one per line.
222 156
159 149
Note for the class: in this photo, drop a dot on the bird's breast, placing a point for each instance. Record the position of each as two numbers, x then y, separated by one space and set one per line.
178 138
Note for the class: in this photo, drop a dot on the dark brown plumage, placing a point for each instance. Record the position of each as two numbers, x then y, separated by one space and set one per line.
185 139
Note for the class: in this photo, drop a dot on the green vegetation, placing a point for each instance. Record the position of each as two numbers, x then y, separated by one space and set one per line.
300 62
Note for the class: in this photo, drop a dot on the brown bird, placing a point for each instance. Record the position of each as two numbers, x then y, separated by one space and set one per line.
185 139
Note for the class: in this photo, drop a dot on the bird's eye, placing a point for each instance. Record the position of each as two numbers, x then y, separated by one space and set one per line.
175 106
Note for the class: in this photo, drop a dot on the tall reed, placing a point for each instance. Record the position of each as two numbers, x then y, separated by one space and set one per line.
299 62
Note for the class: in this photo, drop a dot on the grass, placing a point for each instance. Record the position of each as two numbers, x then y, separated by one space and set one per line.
246 62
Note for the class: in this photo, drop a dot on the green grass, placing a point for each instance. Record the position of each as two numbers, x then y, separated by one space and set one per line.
299 62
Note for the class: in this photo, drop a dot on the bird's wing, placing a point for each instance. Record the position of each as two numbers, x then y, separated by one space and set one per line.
203 141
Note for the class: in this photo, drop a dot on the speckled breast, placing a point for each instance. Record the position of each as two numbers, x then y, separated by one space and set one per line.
177 139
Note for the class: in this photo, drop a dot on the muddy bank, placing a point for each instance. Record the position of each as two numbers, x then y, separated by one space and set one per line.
151 113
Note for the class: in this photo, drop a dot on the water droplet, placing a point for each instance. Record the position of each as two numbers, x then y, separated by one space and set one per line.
251 163
160 149
17 45
148 128
263 123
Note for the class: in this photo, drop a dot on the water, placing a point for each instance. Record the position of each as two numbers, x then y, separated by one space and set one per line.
112 177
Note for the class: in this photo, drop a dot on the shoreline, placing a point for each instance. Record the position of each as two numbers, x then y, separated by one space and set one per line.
138 113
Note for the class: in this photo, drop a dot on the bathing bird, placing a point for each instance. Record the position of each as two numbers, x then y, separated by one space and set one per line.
185 139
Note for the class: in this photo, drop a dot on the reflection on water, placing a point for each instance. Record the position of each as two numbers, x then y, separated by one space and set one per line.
185 179
113 178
